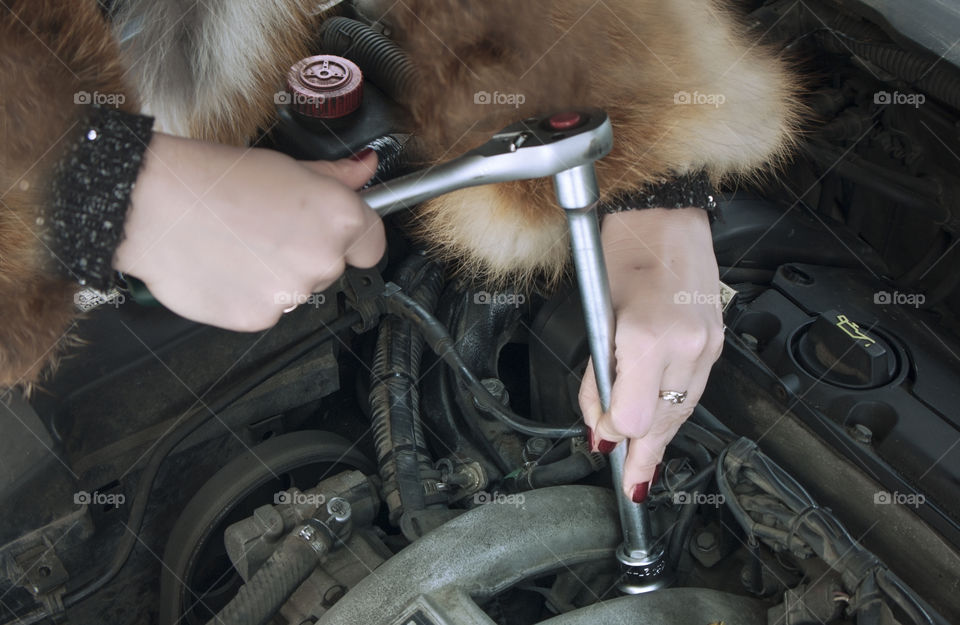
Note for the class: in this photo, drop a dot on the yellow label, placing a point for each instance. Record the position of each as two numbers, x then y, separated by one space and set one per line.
853 330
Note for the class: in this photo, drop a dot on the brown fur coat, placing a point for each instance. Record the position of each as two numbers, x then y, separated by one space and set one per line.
685 87
49 51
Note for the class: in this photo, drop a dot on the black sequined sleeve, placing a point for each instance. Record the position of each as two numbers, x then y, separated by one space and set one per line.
92 184
691 190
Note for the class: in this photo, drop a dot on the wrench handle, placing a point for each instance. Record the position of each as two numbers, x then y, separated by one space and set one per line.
577 193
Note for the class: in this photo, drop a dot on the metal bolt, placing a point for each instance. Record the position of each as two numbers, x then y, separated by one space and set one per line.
862 434
496 388
706 541
313 537
339 509
535 447
334 594
750 341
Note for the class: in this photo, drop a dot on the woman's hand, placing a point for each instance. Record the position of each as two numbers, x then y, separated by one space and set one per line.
233 236
665 287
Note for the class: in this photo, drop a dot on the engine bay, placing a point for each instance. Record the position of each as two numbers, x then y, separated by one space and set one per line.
383 460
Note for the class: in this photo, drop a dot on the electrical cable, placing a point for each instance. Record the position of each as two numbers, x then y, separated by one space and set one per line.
813 527
893 587
442 344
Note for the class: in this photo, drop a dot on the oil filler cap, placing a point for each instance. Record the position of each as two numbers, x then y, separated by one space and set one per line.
325 86
837 350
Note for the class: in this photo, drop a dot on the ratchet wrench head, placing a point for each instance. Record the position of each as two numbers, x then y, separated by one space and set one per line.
536 147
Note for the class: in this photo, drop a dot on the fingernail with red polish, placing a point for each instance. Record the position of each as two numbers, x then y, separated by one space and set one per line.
640 492
605 446
362 154
656 474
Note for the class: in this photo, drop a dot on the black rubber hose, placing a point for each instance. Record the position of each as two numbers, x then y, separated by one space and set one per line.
447 395
379 58
571 469
919 70
556 453
441 343
168 443
703 428
391 159
840 33
395 397
262 596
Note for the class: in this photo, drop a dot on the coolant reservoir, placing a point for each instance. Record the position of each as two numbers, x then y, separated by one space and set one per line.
324 87
328 110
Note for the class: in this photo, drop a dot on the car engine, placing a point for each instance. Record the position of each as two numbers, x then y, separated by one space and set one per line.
416 461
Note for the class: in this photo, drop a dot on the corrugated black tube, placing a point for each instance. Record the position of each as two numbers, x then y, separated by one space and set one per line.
379 58
394 394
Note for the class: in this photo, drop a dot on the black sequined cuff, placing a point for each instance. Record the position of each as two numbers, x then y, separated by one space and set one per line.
690 190
91 192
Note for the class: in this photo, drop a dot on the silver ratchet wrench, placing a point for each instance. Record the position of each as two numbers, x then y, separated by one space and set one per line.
532 148
564 147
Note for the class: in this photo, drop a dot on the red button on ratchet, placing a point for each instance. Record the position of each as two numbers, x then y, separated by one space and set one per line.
565 121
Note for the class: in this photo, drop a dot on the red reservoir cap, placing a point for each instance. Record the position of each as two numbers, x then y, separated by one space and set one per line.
325 86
